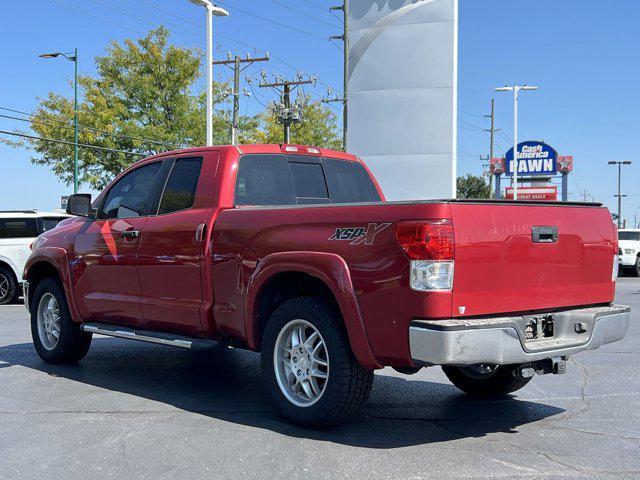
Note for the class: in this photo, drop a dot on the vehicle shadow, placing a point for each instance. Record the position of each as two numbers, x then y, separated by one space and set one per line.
226 384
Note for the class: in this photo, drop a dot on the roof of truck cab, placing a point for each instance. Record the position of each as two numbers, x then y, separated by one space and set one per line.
260 148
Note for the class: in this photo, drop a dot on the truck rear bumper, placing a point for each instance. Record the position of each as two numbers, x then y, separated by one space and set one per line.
508 340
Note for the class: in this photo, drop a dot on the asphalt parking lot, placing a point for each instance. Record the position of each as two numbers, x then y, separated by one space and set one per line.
133 410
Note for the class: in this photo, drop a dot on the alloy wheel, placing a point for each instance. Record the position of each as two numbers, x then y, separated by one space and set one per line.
48 316
301 363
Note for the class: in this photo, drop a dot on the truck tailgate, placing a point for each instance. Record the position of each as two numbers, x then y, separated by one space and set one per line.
499 268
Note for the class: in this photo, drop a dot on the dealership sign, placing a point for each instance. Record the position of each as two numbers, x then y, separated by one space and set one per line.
534 159
534 193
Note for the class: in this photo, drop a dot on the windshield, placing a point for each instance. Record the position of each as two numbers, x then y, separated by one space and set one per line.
629 236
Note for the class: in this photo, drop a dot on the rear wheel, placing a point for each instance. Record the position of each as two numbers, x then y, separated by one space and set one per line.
9 290
486 380
308 365
56 337
636 268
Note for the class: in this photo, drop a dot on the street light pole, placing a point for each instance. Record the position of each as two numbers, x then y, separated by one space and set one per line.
515 89
75 120
619 164
72 57
218 12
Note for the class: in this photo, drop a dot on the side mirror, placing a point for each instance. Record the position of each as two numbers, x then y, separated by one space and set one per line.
79 204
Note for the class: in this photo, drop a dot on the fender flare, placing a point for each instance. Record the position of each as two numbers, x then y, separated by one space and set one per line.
57 258
332 270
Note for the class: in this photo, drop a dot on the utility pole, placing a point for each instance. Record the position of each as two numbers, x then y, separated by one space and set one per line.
345 73
619 195
492 131
286 114
584 195
238 64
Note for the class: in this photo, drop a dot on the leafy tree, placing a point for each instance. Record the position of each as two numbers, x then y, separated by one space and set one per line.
143 95
472 186
319 126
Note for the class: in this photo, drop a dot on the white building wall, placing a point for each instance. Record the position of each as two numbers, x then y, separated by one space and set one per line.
403 94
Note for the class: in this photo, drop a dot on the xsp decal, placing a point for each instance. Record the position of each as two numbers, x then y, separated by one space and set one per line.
359 235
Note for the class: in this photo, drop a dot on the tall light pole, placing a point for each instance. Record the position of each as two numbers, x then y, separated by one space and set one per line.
72 57
212 10
515 89
620 163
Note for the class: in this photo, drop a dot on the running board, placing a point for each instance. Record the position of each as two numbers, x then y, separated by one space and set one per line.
148 336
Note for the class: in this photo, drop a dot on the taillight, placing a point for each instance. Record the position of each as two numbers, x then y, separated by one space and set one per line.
427 240
430 246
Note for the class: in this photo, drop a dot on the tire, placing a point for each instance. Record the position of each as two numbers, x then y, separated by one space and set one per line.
335 399
636 268
496 380
9 290
71 344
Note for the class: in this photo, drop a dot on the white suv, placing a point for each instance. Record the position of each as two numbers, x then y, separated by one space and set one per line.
18 230
629 251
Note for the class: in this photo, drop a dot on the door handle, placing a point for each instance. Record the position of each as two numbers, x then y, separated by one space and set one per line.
130 234
544 234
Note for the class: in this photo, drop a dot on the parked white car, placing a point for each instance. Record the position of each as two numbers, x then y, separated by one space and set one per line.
18 230
629 251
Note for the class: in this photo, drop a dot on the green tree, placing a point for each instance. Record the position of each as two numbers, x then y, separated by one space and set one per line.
472 186
319 126
143 97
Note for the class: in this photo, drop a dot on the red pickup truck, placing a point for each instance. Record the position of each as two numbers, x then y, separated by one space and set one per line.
294 252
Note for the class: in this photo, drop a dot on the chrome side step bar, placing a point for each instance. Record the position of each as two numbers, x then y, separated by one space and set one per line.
148 336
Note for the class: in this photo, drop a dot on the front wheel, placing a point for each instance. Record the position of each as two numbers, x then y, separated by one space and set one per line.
56 337
486 380
308 365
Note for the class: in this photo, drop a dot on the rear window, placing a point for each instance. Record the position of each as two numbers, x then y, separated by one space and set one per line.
309 182
629 236
298 179
18 228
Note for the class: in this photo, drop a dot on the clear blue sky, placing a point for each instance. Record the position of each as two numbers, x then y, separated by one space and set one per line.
582 55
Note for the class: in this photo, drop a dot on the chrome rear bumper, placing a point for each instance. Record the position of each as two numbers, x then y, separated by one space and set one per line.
501 341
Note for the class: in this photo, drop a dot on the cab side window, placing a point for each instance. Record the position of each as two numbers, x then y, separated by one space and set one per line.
180 191
132 195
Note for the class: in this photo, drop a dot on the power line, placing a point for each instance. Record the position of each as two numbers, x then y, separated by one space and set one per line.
282 25
96 16
95 130
83 145
309 2
304 14
470 124
470 113
123 12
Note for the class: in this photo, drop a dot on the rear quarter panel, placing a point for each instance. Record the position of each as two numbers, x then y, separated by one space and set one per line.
379 271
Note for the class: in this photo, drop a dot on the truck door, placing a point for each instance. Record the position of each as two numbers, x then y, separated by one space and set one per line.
105 265
172 244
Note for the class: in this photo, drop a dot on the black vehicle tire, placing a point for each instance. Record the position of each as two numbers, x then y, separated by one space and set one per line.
71 344
9 290
636 268
347 385
483 380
